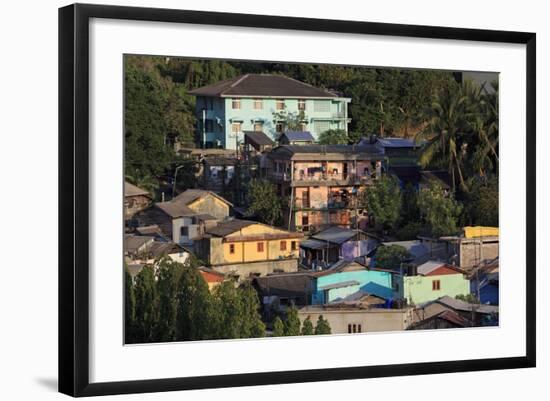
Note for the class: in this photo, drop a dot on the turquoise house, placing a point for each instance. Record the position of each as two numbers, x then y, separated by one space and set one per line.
259 102
347 278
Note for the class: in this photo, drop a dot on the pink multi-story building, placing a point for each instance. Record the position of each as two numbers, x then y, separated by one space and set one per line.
320 183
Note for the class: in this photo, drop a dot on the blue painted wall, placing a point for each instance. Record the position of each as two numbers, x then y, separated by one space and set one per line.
373 282
220 115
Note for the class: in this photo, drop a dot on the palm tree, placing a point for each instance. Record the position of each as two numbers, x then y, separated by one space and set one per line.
445 132
486 127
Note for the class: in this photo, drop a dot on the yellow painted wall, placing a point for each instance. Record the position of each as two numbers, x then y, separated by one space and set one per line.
247 251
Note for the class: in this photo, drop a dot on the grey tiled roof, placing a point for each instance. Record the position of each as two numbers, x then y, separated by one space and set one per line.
262 85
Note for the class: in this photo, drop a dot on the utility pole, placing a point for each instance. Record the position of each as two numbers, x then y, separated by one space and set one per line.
174 183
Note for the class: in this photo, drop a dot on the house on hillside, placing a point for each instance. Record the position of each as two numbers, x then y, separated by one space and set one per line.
348 278
185 218
334 243
322 183
296 138
446 319
433 280
475 314
252 102
142 250
246 249
135 200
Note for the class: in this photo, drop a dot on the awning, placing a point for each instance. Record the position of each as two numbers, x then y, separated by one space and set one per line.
314 244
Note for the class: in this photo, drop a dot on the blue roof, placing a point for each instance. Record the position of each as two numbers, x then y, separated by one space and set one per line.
299 136
397 143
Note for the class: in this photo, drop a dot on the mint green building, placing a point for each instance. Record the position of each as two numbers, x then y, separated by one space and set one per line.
227 109
434 280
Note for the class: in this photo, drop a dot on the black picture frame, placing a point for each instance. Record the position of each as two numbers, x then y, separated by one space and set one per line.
74 198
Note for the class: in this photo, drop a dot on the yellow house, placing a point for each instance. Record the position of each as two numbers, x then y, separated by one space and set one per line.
247 248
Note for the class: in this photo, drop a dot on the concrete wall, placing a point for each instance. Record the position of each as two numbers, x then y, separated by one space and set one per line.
262 268
471 252
371 320
418 289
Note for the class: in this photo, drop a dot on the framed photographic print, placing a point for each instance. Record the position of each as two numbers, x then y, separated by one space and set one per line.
251 199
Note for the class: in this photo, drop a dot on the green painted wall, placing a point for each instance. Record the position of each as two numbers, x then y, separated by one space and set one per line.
418 289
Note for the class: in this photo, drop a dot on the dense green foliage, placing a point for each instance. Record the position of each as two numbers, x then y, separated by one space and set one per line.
174 303
384 201
391 256
322 326
264 202
333 137
462 132
307 327
439 212
159 110
481 202
278 327
292 322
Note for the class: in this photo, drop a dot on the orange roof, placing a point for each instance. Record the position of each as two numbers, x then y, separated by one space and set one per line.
210 277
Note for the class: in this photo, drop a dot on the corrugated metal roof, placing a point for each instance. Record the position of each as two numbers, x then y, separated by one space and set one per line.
229 227
175 209
262 85
298 136
429 267
465 306
336 235
133 242
313 244
258 138
133 190
397 143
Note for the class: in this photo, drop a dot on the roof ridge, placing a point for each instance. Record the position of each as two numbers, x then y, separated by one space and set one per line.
237 82
311 86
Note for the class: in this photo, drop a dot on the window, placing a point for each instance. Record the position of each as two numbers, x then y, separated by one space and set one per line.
232 249
436 285
359 328
301 104
209 126
260 246
280 104
293 245
236 128
279 127
349 328
184 231
235 104
321 126
355 328
321 105
282 246
258 104
258 127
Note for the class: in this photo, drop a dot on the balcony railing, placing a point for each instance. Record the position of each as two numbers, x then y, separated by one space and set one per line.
318 177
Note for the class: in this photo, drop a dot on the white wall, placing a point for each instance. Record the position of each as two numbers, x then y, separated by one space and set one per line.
29 123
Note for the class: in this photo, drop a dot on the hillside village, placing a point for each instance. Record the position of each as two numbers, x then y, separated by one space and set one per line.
310 228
